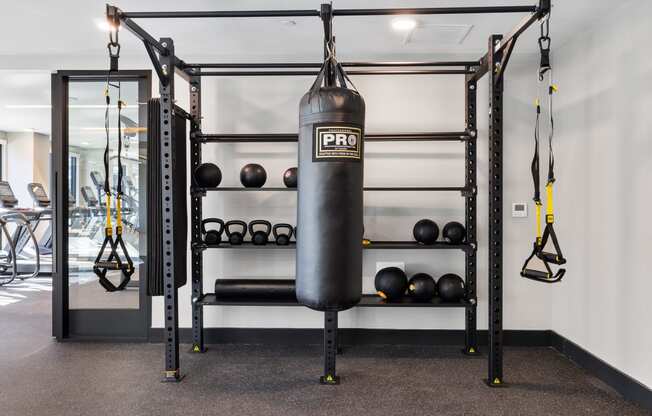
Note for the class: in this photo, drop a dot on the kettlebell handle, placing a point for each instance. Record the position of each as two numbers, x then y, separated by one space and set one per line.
282 225
219 231
266 224
230 224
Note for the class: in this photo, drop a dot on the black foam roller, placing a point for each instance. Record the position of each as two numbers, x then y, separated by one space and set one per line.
255 289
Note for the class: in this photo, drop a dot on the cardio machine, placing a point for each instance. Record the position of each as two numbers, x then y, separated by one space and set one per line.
10 267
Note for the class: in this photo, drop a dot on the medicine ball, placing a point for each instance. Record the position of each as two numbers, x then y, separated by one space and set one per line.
208 175
451 288
391 283
425 231
422 287
253 175
454 232
290 178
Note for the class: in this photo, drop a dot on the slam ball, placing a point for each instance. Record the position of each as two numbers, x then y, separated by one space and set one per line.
253 175
454 232
391 283
425 231
290 178
422 287
451 288
208 175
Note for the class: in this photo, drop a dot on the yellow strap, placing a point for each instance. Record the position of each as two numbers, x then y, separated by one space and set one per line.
108 211
550 212
119 213
538 212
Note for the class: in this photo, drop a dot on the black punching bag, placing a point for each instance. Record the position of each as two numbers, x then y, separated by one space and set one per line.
331 151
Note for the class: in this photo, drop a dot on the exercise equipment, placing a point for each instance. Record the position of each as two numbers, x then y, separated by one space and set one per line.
425 231
329 253
391 283
212 236
454 233
236 238
451 288
253 175
282 238
422 287
208 175
253 289
155 237
541 240
260 237
290 177
114 260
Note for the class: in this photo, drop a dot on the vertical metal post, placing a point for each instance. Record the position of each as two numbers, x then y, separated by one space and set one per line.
471 324
495 213
196 216
166 89
330 349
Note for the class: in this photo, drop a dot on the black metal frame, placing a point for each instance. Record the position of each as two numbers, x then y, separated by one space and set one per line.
494 63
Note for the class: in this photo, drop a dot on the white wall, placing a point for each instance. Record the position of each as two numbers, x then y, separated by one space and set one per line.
42 160
20 165
396 103
605 170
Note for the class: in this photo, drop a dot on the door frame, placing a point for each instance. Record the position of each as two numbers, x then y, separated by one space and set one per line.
97 324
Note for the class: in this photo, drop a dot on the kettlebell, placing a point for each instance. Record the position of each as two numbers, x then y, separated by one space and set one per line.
282 239
213 236
260 237
235 237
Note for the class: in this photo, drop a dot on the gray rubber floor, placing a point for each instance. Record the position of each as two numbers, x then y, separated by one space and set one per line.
41 377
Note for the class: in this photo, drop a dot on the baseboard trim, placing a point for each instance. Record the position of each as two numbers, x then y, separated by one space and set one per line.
625 385
353 336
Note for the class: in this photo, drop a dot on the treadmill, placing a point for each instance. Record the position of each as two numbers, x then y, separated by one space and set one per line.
14 263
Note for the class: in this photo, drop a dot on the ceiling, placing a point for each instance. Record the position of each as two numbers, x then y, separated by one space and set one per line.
46 36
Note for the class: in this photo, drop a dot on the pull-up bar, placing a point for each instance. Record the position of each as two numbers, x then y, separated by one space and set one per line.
336 12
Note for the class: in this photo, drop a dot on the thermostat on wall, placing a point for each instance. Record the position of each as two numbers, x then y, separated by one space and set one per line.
519 210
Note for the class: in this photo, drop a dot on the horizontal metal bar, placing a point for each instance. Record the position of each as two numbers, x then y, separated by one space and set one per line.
314 73
220 14
289 137
336 12
258 65
435 10
366 188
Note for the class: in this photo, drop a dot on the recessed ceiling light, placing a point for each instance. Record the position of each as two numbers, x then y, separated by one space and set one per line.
404 24
85 143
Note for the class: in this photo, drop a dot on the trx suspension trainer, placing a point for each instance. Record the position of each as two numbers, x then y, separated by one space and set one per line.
538 251
113 244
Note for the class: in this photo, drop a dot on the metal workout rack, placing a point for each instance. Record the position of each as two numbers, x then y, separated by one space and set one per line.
493 64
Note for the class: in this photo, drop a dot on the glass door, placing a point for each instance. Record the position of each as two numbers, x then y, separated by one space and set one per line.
83 306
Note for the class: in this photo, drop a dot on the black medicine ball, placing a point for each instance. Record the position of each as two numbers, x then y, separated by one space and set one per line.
208 175
290 178
425 231
422 287
451 288
391 283
253 176
454 232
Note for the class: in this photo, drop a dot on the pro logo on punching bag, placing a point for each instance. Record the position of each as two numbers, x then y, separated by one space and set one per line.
337 142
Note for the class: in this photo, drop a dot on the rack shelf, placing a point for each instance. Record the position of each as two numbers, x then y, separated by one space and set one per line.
366 301
375 245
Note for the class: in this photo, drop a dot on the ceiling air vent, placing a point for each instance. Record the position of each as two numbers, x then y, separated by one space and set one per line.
438 34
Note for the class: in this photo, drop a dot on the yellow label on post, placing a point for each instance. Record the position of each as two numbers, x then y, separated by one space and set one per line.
496 380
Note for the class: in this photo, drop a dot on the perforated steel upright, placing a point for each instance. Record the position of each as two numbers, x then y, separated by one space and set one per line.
197 267
166 91
470 208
